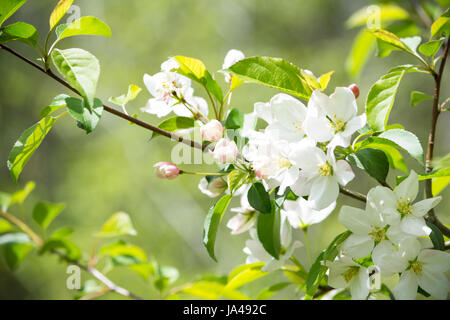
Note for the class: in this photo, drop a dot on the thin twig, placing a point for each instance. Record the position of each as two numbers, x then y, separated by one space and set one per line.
93 271
353 194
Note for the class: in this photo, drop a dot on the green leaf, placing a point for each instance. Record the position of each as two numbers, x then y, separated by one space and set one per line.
133 92
166 275
119 224
19 31
87 118
196 70
407 141
382 96
86 26
259 199
63 232
123 254
44 213
324 80
431 48
175 123
71 251
318 269
436 237
273 72
5 226
441 25
373 161
213 291
14 253
417 97
60 10
439 184
267 293
58 102
387 13
245 276
8 8
212 222
390 38
81 70
235 119
60 29
389 148
236 179
27 144
20 196
268 228
362 48
5 200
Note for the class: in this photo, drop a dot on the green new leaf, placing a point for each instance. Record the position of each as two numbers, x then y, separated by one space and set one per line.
175 123
123 254
5 226
196 70
21 195
362 48
273 72
60 10
381 98
86 26
133 92
431 48
441 25
373 161
8 8
267 293
407 141
213 291
389 38
268 229
259 199
245 276
19 31
118 225
27 144
87 118
236 179
417 97
44 213
389 148
436 237
212 222
58 102
235 119
81 70
14 253
384 13
166 275
70 250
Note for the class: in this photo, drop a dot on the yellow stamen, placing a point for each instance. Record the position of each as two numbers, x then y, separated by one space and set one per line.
350 273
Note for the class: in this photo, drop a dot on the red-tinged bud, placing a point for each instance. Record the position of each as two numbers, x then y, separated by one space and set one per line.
355 90
166 170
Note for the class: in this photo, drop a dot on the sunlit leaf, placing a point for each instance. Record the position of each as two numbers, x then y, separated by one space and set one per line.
86 26
87 118
8 8
118 225
60 10
19 31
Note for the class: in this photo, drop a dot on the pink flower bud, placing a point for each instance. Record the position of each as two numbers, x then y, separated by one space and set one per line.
212 131
166 170
225 151
354 89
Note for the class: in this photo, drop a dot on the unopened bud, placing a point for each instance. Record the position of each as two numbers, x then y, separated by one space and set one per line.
354 89
166 170
225 151
212 131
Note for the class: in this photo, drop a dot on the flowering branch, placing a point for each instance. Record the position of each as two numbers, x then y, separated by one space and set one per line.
110 286
107 108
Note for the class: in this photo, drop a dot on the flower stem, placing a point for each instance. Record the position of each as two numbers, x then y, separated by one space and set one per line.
308 248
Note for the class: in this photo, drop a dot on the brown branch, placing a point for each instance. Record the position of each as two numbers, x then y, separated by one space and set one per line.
432 138
111 286
353 194
107 108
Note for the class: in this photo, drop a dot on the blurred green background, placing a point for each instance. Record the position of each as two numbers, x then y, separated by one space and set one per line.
111 170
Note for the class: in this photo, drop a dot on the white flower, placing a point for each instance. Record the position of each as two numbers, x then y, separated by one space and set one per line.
231 58
170 65
212 131
396 206
426 269
256 252
285 116
225 151
333 118
320 174
242 222
212 188
301 215
345 273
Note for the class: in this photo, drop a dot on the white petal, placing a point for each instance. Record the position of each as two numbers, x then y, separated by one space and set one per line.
386 257
343 172
421 208
306 156
406 288
415 226
435 260
359 286
355 220
383 200
355 124
318 129
358 246
157 107
397 235
342 104
409 248
324 191
409 188
309 216
436 284
302 187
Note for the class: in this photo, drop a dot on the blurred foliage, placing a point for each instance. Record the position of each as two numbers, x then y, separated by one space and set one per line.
111 170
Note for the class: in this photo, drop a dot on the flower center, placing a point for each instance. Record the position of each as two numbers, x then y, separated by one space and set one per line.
338 124
297 125
404 206
350 273
326 170
378 234
416 266
283 163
